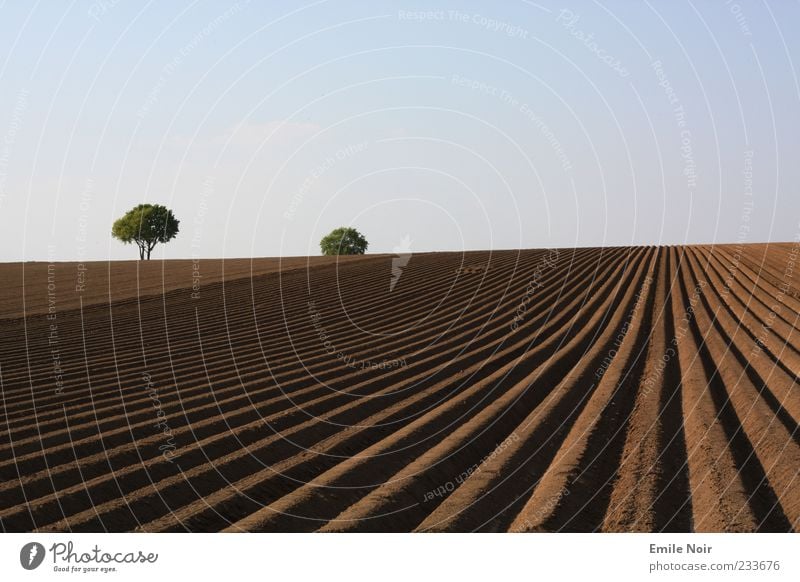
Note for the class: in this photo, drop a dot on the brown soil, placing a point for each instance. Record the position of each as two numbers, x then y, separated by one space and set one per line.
108 281
616 389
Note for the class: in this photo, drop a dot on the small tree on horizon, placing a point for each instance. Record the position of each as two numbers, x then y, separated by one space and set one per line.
343 241
146 225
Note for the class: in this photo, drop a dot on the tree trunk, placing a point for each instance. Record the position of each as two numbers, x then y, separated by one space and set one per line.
149 248
141 252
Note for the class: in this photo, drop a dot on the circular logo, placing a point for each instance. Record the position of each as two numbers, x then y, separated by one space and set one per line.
31 555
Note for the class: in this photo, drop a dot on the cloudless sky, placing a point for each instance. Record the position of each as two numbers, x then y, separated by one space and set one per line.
462 125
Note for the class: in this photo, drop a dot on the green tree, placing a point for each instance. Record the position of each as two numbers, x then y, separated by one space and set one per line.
146 225
344 241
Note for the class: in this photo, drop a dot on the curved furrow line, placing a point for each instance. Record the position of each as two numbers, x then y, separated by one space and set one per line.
305 317
211 363
614 389
262 481
116 281
779 384
290 366
236 317
752 311
212 308
153 305
757 287
771 270
763 427
751 432
305 377
652 492
490 497
293 510
566 488
718 493
509 472
753 257
747 272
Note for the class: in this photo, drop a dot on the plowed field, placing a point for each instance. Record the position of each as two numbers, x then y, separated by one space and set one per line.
614 389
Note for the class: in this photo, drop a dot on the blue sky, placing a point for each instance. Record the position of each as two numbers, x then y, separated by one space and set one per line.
464 125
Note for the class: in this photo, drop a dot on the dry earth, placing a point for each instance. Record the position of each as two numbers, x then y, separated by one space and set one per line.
616 389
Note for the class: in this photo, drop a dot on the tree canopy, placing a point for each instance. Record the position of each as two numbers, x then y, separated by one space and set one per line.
344 241
146 225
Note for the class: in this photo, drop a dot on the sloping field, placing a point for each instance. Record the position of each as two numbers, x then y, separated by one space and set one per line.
25 285
616 389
